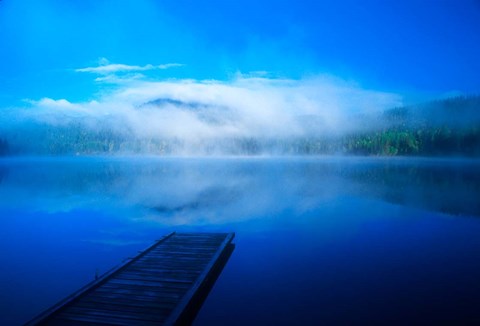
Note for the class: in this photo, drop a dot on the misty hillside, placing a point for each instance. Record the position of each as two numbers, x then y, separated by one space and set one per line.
456 112
443 127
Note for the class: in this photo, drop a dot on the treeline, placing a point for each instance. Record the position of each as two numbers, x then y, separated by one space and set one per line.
455 112
75 139
441 141
435 141
441 128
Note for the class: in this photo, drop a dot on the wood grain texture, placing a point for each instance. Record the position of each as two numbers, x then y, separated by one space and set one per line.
157 287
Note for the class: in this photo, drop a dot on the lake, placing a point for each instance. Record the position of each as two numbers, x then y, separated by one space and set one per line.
330 240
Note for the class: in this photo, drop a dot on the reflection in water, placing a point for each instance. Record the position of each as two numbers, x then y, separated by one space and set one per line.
449 187
178 191
331 240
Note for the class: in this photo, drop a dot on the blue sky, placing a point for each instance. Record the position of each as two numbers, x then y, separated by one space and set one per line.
419 49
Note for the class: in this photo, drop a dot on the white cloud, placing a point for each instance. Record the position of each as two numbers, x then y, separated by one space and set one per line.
105 67
115 79
204 113
49 103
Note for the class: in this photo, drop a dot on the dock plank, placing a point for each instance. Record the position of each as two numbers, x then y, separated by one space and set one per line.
163 285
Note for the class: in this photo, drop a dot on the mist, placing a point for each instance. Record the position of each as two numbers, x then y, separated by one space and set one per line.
193 117
204 191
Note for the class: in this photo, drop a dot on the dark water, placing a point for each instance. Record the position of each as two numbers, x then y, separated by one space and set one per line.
329 241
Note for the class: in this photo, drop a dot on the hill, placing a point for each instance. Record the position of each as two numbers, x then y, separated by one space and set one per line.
449 127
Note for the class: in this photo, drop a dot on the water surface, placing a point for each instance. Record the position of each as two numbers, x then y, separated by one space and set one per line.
319 240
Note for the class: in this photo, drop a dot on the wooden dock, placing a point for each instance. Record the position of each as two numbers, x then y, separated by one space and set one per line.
164 285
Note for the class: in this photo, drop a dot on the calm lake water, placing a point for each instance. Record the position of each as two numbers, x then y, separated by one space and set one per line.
318 240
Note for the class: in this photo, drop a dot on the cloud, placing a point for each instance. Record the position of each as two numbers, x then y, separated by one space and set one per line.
208 115
105 67
115 79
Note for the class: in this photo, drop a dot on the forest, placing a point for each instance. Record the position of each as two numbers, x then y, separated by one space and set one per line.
444 127
448 127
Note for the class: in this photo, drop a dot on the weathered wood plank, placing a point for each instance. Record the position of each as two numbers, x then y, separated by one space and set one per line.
144 269
168 288
127 306
179 309
156 287
164 287
96 300
163 278
72 322
158 268
165 283
66 318
172 299
154 293
105 313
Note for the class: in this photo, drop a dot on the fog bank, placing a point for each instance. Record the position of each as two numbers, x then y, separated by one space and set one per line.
195 117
